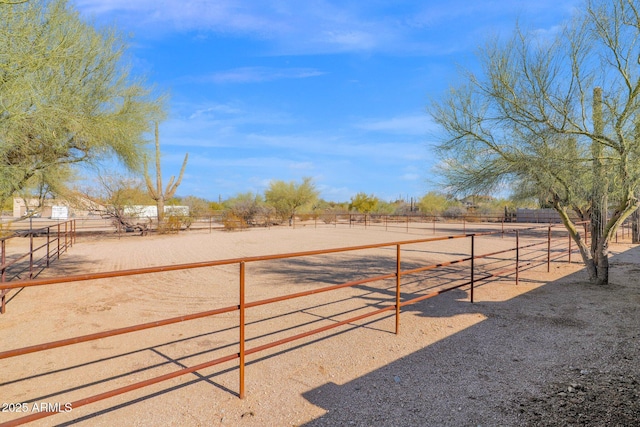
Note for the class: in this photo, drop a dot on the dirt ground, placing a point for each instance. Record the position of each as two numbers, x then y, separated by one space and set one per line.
552 350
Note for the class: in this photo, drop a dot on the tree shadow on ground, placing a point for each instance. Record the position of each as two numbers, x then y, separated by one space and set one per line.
538 359
513 351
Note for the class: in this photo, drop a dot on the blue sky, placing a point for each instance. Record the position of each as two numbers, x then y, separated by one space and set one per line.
265 90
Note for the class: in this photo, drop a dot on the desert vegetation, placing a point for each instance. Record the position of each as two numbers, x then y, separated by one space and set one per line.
552 119
558 119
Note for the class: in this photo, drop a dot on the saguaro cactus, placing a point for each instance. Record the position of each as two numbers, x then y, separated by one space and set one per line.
156 192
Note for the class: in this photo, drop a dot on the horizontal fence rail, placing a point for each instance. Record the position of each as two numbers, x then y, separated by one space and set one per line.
47 243
554 247
416 223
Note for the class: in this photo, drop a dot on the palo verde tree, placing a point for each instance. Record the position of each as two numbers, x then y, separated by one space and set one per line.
364 203
156 192
559 117
287 197
66 95
44 184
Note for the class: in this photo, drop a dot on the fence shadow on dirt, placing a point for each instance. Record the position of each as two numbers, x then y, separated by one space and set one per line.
309 271
489 373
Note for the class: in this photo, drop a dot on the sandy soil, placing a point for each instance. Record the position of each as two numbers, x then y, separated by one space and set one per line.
552 350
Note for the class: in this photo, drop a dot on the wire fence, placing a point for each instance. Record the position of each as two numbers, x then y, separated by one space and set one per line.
221 221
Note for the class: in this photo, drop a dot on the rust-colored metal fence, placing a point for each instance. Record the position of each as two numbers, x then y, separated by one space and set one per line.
414 223
545 241
45 244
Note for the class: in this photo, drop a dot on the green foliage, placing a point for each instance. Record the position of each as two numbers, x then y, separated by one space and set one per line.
287 197
175 223
364 203
7 205
327 211
215 206
65 94
249 208
198 207
556 118
386 208
434 203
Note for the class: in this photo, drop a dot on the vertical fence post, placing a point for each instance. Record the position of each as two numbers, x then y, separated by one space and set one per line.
241 307
472 265
58 239
464 225
407 218
586 234
434 225
570 248
386 223
503 228
48 243
517 255
398 278
3 256
3 293
31 254
549 249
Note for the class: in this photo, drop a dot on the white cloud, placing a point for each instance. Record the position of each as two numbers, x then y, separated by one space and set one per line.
302 165
410 177
407 125
327 26
348 39
215 109
259 74
168 15
320 26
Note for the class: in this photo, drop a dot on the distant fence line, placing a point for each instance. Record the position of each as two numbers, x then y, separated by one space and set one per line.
223 221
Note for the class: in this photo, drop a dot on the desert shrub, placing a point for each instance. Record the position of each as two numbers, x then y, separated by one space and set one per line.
231 221
328 217
5 232
250 208
172 224
305 216
175 223
454 212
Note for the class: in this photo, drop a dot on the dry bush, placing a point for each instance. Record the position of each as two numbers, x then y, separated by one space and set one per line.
328 218
171 225
231 221
305 217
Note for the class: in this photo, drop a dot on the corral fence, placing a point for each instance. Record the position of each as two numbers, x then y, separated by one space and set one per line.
520 249
45 244
410 223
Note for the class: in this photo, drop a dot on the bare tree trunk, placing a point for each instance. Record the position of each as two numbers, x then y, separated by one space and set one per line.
585 252
599 202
